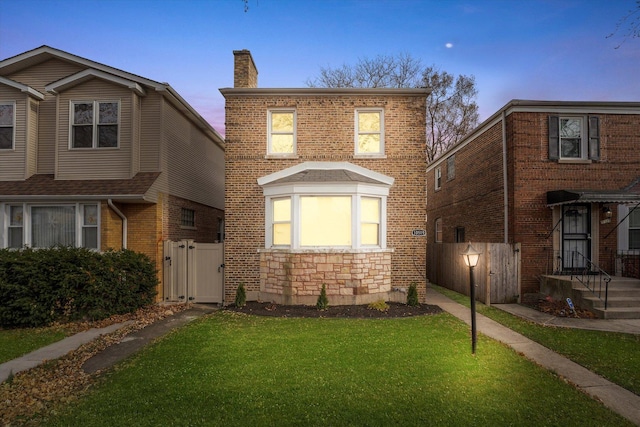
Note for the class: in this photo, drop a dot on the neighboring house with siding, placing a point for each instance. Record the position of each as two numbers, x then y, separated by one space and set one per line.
96 157
322 187
559 178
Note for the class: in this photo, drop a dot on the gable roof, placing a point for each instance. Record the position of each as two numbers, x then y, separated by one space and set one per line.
326 172
88 74
45 53
23 88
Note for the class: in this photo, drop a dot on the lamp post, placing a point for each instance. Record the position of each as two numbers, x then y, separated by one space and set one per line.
471 256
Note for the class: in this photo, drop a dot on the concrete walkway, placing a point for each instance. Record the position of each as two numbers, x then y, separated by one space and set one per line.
611 395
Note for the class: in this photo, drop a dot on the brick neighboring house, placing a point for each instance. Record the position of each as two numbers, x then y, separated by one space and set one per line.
92 156
559 178
322 187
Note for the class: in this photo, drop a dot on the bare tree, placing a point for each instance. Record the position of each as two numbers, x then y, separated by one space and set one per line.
451 109
630 24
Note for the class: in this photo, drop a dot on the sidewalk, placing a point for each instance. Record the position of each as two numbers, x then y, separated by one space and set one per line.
112 354
611 395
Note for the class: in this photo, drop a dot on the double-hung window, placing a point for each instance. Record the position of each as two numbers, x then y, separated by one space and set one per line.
634 229
282 132
369 125
7 125
574 138
94 124
438 230
49 225
451 167
438 178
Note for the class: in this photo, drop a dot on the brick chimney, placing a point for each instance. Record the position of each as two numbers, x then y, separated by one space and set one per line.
245 73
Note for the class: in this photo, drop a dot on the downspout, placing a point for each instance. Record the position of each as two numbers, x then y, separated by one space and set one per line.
504 177
124 222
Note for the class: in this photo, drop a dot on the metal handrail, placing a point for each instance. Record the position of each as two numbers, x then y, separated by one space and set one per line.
587 276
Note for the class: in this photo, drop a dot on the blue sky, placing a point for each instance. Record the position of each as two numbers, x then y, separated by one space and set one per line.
518 49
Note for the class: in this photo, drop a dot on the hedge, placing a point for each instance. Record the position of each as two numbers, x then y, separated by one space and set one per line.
42 286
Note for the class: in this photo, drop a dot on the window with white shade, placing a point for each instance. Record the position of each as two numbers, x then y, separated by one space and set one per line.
282 132
369 124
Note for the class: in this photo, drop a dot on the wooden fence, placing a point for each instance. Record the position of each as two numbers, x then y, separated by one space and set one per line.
497 275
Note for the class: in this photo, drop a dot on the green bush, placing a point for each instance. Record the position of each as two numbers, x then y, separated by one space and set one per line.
241 296
39 287
412 295
323 301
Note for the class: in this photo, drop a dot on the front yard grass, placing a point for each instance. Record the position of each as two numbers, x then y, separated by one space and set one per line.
615 356
231 369
17 342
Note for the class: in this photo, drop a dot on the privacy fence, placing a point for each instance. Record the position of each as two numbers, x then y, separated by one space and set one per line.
497 275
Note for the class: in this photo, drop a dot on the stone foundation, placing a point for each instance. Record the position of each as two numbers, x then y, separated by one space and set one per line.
350 277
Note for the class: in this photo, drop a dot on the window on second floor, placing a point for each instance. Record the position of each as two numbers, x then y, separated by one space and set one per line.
451 167
7 125
574 138
282 132
94 124
438 230
438 177
369 124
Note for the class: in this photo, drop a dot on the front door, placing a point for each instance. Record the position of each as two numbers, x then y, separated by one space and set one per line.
576 236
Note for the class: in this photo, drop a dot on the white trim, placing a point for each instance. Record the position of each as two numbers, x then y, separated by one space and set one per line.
22 88
270 152
80 77
96 117
357 133
584 141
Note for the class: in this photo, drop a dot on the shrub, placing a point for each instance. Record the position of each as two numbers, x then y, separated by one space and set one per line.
39 287
323 301
412 295
241 296
379 305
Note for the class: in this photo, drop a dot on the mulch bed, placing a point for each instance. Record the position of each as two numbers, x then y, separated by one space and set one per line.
560 308
337 311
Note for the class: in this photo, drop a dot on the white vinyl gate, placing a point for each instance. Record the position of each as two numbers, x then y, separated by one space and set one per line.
193 272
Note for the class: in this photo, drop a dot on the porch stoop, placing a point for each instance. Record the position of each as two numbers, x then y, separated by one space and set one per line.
623 301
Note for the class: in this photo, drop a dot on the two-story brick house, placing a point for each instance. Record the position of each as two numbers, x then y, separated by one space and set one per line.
559 178
322 187
93 156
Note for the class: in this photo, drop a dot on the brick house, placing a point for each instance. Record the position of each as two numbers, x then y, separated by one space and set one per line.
96 157
321 189
560 178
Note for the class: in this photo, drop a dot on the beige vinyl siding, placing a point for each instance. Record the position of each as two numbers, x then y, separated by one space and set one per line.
150 130
193 163
94 163
32 138
135 134
12 162
38 76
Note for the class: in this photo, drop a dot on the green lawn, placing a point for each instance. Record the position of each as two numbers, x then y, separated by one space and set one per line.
236 370
615 356
17 342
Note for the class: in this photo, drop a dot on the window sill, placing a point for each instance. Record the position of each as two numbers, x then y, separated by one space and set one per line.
325 250
188 227
369 156
575 161
281 156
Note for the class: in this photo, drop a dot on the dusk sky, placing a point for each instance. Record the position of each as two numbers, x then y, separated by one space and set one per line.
518 49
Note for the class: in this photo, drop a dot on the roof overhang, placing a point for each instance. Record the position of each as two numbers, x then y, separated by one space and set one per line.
22 88
564 197
88 74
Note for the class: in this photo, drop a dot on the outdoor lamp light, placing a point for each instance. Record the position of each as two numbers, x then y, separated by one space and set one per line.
471 256
606 211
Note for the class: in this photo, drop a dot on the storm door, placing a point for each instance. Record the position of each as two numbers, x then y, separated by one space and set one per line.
576 236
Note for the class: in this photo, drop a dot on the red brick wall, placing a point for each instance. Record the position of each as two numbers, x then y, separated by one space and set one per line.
474 199
207 220
325 132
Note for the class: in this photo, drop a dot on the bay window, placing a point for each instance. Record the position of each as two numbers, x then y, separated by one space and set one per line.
313 205
48 225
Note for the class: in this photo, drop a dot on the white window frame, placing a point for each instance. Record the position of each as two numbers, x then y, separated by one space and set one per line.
380 132
438 177
13 125
584 132
27 237
95 124
270 132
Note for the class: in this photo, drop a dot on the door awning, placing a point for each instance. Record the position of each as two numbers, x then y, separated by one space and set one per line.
563 197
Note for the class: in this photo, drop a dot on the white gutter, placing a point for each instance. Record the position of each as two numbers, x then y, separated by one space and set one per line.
124 222
505 185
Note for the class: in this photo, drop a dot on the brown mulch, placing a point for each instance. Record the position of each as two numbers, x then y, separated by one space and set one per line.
560 308
338 311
